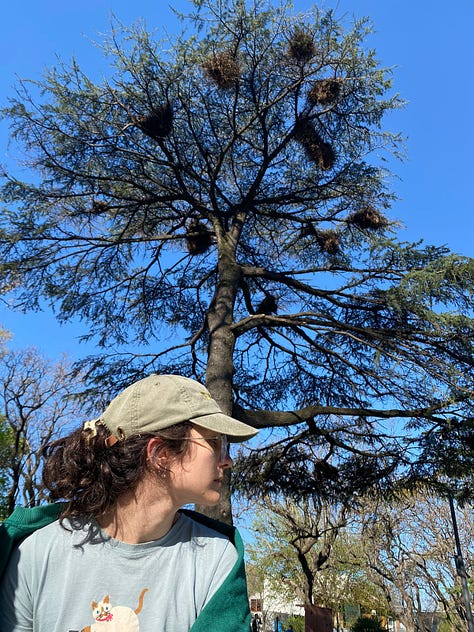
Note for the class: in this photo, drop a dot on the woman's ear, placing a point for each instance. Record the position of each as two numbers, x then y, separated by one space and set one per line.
156 454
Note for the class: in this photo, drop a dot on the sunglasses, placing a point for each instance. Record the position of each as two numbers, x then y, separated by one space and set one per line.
219 445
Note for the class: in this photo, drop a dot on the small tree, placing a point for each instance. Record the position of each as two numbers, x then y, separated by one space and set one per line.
36 408
295 541
304 547
297 622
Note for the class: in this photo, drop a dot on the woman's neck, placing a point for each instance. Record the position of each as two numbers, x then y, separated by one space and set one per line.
137 517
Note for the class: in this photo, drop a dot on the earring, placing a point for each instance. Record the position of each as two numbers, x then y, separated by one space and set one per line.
162 472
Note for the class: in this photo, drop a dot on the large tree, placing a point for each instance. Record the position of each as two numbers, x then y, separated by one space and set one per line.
217 206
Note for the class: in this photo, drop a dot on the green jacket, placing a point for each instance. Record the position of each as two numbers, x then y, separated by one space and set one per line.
228 609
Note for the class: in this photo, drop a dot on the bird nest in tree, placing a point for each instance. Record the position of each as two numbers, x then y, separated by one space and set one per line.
223 69
159 123
328 241
198 238
324 91
368 218
100 206
317 149
301 45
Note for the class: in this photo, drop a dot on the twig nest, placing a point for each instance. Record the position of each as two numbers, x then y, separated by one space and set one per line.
198 238
326 156
100 206
368 218
317 149
268 305
223 69
328 241
324 91
159 123
301 45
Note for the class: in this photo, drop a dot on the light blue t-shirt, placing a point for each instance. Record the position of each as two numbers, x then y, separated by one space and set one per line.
53 584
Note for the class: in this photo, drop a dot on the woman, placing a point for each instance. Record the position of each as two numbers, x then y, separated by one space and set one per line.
123 556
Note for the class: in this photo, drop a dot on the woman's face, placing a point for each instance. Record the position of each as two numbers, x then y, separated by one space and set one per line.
197 477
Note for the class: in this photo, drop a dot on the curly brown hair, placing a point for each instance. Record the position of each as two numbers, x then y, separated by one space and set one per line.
90 476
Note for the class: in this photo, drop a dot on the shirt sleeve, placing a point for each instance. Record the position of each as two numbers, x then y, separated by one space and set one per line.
222 568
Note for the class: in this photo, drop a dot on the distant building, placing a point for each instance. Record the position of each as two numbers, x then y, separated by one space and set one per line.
270 605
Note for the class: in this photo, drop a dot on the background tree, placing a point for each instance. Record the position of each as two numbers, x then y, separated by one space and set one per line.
395 557
304 553
445 468
408 547
296 535
298 548
355 590
5 453
217 207
5 438
36 408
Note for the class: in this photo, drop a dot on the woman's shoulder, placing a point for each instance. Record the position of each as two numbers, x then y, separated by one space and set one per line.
209 544
26 520
188 525
197 526
21 524
209 525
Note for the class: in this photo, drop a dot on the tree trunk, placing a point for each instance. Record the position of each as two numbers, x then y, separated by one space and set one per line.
220 365
309 577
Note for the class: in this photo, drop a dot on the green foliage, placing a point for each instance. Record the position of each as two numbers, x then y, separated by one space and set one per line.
368 624
445 626
446 463
6 450
297 622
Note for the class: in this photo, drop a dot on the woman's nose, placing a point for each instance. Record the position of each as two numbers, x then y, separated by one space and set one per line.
226 461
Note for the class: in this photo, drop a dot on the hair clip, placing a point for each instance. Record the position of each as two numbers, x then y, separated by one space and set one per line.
91 426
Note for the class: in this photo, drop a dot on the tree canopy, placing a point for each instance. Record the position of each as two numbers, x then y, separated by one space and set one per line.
218 206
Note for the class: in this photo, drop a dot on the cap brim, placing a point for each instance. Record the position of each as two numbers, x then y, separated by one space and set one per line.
223 424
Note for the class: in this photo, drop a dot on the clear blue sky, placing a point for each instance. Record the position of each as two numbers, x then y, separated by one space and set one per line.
430 44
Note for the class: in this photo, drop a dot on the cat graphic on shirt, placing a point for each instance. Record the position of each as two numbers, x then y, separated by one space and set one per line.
110 618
